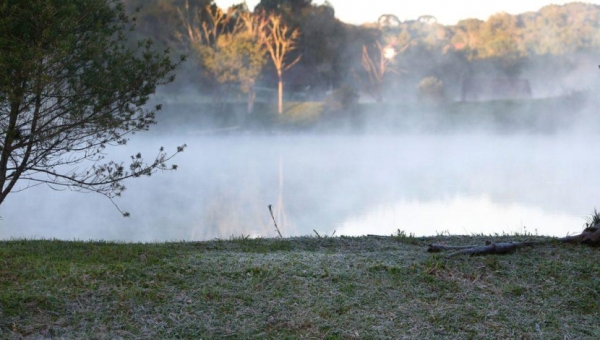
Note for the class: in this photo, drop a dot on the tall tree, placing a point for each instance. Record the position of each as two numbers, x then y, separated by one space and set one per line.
376 67
280 40
467 37
205 24
251 49
230 46
202 28
160 19
377 62
502 41
70 85
283 6
321 44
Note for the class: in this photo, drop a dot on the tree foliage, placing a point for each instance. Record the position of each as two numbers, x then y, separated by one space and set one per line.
70 85
500 46
229 45
283 7
161 20
233 45
322 44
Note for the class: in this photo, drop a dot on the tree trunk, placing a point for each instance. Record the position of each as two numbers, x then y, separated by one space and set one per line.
251 99
280 94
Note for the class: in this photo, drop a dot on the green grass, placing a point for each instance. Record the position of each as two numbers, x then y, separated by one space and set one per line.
295 116
593 219
546 115
310 287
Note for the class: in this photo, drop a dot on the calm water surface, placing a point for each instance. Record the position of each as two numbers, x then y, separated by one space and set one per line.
350 185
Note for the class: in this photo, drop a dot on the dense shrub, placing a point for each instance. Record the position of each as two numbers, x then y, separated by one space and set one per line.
431 89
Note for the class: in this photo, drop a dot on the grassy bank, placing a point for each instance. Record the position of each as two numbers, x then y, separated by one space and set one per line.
336 288
504 116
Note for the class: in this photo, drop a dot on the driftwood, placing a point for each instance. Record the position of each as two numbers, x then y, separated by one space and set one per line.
590 236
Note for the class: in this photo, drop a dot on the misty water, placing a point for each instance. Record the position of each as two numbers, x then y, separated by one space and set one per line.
346 184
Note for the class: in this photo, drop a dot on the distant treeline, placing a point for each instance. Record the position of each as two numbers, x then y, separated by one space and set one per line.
394 60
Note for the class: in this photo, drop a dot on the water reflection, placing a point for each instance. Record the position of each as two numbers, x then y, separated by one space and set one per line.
353 184
461 216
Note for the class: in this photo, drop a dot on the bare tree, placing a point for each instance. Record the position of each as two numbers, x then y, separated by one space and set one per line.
204 24
376 63
280 40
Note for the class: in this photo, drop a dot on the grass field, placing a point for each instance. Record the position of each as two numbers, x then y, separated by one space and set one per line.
547 115
308 287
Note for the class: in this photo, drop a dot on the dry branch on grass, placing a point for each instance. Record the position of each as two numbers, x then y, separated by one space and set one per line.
590 236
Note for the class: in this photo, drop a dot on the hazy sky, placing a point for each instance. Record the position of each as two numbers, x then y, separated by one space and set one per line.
447 12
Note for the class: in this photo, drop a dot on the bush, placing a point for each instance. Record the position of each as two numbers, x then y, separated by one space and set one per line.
431 89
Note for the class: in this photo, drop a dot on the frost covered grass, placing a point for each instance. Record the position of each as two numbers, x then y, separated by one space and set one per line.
307 287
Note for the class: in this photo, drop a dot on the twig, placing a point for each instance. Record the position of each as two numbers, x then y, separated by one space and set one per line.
276 227
319 235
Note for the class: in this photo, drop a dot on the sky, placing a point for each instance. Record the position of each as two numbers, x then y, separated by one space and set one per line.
447 12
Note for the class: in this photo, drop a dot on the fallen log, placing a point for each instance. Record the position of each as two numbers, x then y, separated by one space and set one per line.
488 248
589 236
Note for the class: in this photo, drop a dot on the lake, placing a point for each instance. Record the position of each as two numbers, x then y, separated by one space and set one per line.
331 185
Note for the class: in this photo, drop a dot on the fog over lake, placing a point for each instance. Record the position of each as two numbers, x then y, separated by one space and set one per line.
350 185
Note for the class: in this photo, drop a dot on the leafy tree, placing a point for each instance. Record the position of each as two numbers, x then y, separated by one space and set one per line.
202 28
70 85
330 50
500 33
160 19
560 30
322 44
467 37
287 7
250 49
237 57
230 46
